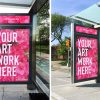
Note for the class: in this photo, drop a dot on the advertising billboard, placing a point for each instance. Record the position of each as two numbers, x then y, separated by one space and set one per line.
86 58
14 55
15 48
85 53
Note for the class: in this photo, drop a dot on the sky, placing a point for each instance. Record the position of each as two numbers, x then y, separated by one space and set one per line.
70 7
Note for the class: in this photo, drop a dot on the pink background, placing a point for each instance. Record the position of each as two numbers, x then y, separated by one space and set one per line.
86 30
20 48
14 19
92 52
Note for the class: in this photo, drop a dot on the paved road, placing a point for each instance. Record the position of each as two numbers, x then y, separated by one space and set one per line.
63 89
14 92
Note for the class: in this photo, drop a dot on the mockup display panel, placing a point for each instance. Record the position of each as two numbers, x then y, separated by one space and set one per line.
85 54
15 48
14 55
86 58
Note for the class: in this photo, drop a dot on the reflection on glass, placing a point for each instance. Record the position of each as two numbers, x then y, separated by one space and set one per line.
42 45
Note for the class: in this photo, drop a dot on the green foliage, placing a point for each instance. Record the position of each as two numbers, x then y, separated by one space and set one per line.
42 48
58 23
44 12
43 22
63 63
63 49
42 36
44 33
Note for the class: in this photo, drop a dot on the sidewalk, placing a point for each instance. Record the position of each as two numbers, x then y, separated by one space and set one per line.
14 92
63 89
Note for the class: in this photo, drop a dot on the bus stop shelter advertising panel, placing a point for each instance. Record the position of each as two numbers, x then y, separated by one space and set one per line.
85 53
15 48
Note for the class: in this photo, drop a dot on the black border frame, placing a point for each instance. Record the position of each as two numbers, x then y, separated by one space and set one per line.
79 34
21 26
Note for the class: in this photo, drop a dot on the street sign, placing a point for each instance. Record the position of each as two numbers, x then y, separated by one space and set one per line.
85 53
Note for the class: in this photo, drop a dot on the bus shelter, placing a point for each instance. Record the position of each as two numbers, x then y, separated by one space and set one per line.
24 28
86 45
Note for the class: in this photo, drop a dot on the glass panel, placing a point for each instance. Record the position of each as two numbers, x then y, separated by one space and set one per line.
42 45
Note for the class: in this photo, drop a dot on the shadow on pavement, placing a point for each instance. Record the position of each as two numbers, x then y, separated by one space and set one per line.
90 85
38 96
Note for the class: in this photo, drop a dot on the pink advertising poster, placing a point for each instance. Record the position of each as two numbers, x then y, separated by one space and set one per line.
86 58
14 55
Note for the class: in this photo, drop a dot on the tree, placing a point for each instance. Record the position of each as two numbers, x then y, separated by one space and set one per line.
42 35
43 22
58 23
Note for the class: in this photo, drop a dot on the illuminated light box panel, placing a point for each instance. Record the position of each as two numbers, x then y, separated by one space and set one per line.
14 55
86 58
15 49
85 53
